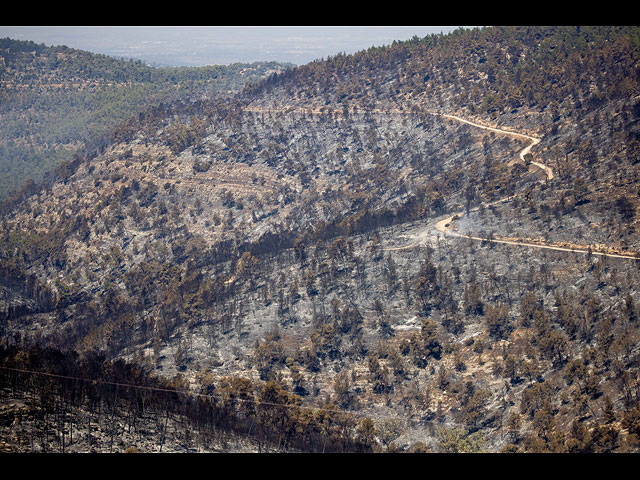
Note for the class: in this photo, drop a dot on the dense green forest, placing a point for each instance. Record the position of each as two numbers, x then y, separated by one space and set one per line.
56 100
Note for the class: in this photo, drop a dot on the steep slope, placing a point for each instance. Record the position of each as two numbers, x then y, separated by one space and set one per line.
265 237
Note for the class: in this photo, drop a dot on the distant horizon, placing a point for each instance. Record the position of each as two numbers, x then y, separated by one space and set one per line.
193 46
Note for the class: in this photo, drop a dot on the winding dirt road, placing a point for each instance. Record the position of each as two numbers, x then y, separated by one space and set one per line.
532 140
446 225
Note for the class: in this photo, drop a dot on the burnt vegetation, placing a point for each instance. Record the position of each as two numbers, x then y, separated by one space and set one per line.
271 260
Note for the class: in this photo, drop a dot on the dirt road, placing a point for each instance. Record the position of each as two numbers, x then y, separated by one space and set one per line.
446 225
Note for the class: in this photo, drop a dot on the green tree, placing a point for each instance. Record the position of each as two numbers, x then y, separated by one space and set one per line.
459 441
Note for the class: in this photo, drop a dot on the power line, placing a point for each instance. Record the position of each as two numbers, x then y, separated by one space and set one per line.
239 400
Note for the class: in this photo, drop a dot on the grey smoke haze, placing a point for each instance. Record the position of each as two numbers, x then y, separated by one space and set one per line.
219 45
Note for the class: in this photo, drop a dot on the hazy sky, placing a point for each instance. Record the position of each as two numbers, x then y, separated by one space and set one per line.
217 45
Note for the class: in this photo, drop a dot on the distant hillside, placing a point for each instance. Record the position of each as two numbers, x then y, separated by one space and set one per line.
56 100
